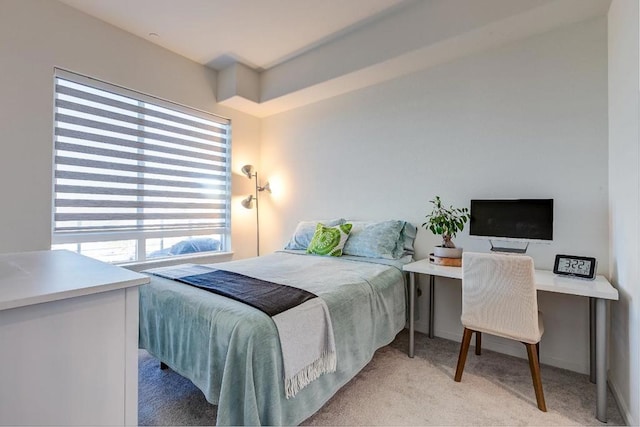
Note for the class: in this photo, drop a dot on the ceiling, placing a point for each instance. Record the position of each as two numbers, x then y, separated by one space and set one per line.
275 55
216 33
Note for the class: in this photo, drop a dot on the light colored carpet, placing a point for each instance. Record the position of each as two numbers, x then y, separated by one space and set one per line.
396 390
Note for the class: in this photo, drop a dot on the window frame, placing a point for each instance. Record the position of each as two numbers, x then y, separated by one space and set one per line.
140 236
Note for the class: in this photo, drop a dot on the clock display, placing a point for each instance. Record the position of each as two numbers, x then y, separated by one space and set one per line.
574 266
578 266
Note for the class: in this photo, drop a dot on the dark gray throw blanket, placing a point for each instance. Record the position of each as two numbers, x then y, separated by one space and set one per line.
268 297
302 319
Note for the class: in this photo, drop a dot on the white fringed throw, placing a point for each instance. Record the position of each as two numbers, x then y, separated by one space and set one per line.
305 332
307 342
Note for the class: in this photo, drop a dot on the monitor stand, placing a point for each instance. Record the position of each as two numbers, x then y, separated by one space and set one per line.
509 250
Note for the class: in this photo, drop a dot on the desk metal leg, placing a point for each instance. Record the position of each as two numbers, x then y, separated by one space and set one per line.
412 303
601 359
592 340
432 297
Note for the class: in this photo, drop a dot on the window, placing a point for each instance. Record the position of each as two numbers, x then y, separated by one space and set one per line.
135 177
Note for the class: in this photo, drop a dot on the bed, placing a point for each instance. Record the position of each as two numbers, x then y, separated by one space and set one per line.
231 351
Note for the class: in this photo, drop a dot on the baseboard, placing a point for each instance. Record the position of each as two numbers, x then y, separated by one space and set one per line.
488 343
506 347
622 404
422 327
563 363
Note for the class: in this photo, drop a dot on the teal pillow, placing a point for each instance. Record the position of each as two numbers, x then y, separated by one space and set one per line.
329 241
304 232
376 239
405 244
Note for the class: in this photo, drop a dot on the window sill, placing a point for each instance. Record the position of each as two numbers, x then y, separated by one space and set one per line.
199 258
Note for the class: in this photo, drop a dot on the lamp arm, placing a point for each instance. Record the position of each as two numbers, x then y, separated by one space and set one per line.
257 218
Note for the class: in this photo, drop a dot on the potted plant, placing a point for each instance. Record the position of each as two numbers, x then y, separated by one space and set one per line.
446 222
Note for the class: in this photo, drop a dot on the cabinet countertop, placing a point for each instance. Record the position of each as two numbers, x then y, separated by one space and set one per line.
28 278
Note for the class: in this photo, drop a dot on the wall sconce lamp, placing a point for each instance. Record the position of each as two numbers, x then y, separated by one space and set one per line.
248 202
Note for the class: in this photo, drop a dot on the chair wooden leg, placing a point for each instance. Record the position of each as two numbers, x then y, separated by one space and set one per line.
534 365
478 343
462 357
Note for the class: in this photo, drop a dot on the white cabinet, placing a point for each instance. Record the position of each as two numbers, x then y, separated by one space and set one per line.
68 340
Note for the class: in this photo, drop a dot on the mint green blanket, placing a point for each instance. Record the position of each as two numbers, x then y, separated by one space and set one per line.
231 351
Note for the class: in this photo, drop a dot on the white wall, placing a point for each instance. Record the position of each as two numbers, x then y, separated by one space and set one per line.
624 195
526 120
38 35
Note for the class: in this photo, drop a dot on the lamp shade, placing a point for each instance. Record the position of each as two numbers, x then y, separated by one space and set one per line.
248 170
266 187
248 202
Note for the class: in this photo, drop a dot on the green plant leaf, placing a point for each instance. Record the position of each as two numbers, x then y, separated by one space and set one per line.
445 221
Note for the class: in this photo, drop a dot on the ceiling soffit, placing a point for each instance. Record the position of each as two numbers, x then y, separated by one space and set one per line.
413 37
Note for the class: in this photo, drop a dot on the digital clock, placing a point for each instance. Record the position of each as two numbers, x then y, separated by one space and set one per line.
577 266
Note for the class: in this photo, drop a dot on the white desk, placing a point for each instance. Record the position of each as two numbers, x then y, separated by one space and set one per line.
69 340
599 292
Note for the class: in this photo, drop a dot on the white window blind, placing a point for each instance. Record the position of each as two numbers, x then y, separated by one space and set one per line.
127 164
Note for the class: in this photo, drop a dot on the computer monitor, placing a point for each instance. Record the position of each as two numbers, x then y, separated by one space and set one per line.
524 220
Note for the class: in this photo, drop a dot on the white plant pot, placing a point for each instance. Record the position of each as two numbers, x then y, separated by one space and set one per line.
443 252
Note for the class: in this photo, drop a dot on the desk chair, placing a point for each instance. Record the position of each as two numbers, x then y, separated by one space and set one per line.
499 298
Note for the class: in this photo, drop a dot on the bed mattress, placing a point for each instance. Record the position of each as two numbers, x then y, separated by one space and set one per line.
231 351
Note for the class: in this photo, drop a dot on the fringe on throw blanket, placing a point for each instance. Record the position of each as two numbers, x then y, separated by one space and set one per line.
325 364
307 344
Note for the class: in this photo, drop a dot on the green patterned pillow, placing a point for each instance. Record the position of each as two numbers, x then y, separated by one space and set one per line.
329 241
